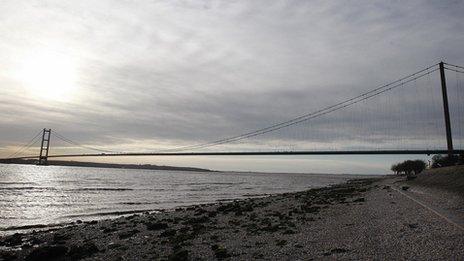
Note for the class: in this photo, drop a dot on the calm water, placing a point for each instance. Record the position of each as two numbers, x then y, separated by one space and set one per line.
31 195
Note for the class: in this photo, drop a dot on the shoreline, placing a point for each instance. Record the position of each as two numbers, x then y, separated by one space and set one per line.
70 218
347 221
85 164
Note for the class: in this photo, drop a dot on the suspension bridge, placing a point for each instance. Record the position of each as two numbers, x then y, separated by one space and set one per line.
417 114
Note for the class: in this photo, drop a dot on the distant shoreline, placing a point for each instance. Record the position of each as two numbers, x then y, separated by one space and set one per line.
103 165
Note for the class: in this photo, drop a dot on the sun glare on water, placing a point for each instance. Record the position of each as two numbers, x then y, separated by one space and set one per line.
49 76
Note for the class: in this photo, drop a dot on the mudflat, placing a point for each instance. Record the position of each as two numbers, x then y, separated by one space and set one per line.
362 219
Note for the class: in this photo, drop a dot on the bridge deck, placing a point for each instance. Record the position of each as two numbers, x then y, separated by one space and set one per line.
257 153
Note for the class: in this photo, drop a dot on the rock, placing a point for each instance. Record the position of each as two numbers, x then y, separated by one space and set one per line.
113 245
413 225
78 221
199 212
82 251
281 242
220 251
127 234
405 188
60 238
272 228
7 256
289 232
235 222
253 216
338 250
108 229
359 200
179 255
212 214
168 220
35 240
335 251
197 220
198 228
168 233
177 220
47 253
26 246
236 207
156 225
181 239
309 209
131 217
14 240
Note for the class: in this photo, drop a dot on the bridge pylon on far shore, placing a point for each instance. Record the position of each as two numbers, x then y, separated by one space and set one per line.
44 147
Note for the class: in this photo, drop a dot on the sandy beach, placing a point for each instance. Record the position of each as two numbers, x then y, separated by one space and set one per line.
365 219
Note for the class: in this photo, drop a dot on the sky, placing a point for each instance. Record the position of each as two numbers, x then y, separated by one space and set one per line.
149 75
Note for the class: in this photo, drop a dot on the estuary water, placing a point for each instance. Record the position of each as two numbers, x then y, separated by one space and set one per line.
32 196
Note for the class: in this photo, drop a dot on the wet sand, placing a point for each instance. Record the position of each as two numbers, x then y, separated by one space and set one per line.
362 219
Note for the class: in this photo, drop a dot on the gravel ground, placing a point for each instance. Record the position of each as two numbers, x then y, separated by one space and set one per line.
359 220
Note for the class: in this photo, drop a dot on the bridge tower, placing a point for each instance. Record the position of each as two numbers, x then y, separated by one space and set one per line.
44 147
449 139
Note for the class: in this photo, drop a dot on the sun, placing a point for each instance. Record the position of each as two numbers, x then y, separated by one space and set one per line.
49 76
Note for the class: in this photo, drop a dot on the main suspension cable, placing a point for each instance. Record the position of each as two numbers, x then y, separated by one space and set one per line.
25 147
315 114
69 141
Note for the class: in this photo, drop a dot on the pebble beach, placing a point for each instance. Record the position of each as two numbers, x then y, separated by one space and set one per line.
362 219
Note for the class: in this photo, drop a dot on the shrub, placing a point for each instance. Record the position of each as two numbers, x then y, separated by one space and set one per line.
408 167
444 161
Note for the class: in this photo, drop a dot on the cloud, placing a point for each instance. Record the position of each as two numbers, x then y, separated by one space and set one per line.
182 72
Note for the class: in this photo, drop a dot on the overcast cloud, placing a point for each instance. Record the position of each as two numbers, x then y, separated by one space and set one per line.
167 73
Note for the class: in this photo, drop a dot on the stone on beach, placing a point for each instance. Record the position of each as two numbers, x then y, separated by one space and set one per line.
355 220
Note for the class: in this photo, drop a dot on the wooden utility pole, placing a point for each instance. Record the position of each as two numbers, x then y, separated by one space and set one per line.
449 139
